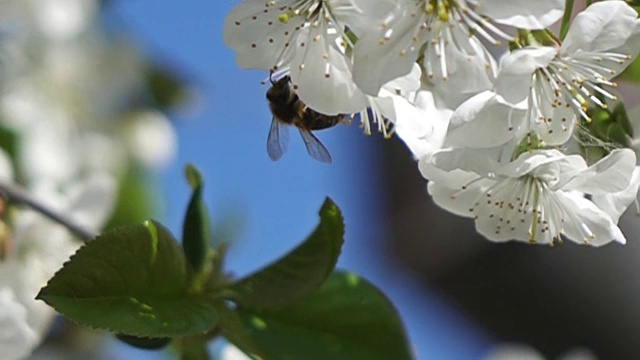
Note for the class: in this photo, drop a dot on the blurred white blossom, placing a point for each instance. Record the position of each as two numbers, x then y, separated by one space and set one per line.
17 339
230 352
518 351
38 247
74 100
151 138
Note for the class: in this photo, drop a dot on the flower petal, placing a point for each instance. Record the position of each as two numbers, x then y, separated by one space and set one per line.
389 52
479 161
586 223
553 124
602 26
422 130
323 75
609 175
465 66
615 204
260 39
516 71
485 120
523 13
457 201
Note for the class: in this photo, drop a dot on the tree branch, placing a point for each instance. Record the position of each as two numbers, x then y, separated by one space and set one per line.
19 195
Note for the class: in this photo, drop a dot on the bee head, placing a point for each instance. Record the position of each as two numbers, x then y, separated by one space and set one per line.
280 91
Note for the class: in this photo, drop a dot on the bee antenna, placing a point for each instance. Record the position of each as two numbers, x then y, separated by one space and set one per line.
271 77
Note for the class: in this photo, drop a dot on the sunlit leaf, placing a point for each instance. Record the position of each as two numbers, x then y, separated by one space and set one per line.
135 200
346 319
144 343
632 72
299 272
196 231
234 330
131 280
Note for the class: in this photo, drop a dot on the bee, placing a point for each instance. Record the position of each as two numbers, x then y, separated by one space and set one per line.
288 109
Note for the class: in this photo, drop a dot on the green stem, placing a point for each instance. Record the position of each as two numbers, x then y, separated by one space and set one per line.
566 19
193 348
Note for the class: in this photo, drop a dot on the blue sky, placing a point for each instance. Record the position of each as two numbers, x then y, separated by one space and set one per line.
278 201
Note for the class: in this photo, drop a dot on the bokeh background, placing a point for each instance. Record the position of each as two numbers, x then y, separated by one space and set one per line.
458 294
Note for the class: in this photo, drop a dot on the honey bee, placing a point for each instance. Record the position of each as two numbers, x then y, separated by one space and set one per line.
288 109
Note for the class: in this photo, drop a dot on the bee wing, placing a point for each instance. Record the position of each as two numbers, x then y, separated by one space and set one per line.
278 140
315 147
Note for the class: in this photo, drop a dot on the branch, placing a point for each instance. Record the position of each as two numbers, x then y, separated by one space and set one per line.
19 195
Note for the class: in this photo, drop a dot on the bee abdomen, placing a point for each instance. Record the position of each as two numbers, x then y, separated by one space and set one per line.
314 120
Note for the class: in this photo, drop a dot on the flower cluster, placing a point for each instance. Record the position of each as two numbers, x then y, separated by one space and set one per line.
507 142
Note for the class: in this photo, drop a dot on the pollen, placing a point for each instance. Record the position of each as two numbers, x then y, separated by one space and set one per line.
283 18
576 82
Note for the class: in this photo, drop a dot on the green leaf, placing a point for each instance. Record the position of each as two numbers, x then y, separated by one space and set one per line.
168 88
130 280
621 117
144 343
135 200
10 143
196 229
346 319
193 348
299 272
193 176
632 72
234 330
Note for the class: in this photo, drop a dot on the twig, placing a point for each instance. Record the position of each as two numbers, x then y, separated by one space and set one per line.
20 196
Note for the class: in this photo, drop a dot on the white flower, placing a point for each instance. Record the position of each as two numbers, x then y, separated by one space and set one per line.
391 105
615 204
556 85
485 120
306 36
48 148
422 126
539 197
55 20
65 107
513 351
39 247
444 34
17 339
517 351
230 352
151 138
63 19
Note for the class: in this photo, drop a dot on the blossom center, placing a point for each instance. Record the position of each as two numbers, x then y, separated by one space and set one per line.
285 22
523 206
575 82
441 23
